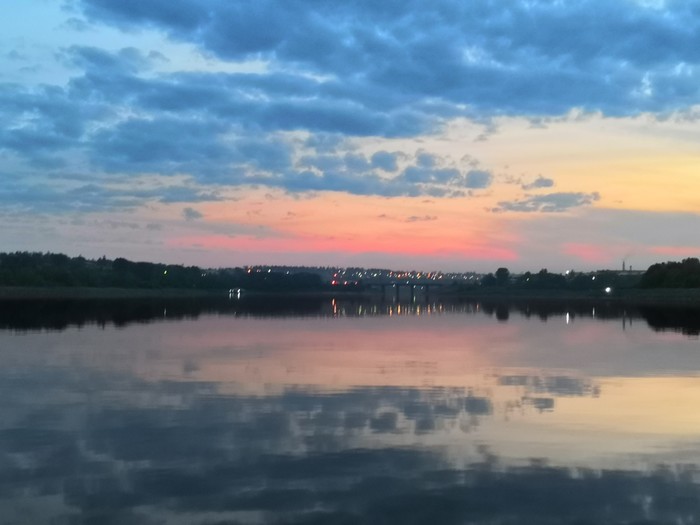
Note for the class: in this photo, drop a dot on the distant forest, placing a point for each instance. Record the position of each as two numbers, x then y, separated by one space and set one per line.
54 269
684 274
570 281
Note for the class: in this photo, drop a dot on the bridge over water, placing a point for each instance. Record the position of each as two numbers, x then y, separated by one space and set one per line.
405 288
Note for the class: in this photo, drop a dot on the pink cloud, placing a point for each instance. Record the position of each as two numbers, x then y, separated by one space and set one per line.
676 251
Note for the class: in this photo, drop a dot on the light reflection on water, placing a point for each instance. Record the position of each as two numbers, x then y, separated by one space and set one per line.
348 413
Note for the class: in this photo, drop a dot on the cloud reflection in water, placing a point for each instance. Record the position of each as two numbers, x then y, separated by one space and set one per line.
243 419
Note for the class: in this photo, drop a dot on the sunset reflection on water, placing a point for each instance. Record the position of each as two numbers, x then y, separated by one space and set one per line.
253 418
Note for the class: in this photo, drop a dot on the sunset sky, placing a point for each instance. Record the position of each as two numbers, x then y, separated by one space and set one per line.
432 135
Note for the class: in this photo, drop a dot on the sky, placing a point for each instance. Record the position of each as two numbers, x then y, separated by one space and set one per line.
413 134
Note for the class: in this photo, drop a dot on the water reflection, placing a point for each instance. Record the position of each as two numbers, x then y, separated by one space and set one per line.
61 314
232 414
176 452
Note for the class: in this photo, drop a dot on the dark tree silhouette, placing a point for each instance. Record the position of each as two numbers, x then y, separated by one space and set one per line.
502 276
684 274
53 270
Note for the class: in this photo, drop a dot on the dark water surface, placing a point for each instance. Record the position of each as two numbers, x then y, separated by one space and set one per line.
330 411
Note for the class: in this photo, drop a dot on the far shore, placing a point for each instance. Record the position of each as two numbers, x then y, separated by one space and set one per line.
84 292
633 296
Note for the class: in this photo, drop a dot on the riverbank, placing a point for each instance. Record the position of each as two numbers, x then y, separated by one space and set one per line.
632 296
79 292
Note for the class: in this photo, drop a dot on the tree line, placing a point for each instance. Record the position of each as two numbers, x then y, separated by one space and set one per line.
683 274
546 280
55 269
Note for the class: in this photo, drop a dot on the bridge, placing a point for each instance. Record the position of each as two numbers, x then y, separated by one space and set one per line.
393 288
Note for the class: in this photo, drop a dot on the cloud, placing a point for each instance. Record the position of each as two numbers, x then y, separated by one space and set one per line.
534 58
190 214
76 24
421 218
218 128
124 61
43 122
385 161
423 174
549 203
478 179
539 182
47 196
328 73
165 145
425 160
266 154
426 174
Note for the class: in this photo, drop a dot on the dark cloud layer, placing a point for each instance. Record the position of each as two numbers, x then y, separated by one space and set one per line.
337 71
91 197
524 57
215 128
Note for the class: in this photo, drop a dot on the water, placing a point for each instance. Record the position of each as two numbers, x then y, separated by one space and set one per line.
347 412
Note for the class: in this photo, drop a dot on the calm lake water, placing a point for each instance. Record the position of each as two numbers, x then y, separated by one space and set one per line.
330 411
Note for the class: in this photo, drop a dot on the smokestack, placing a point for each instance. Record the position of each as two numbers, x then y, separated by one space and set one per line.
623 265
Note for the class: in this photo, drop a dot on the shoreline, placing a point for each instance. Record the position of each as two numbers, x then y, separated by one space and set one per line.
58 293
628 296
84 292
632 296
